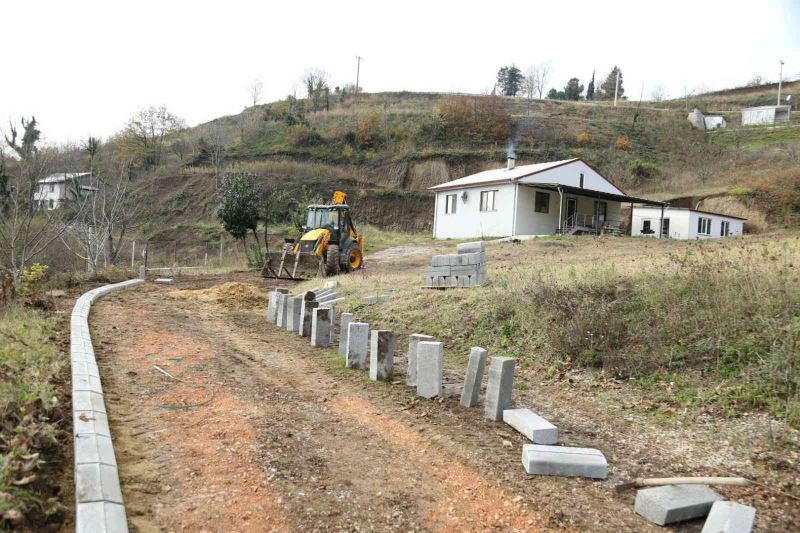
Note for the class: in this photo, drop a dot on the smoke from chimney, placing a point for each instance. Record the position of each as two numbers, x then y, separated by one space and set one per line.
512 156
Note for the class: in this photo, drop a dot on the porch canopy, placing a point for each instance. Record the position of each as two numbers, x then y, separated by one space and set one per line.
593 194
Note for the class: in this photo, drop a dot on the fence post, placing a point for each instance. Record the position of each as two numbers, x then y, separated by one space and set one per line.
221 239
146 249
205 258
133 253
175 253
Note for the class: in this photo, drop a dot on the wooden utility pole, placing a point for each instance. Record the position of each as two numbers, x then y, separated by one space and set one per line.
358 71
780 83
616 88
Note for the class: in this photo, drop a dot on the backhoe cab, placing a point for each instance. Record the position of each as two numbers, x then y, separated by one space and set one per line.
327 244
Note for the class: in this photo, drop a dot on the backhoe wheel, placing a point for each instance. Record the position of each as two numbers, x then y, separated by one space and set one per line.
332 260
354 258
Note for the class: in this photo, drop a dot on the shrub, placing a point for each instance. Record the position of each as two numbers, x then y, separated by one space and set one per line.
475 119
582 138
369 130
623 143
303 136
741 191
644 169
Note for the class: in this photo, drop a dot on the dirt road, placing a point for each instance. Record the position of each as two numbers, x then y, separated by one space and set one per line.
260 433
254 430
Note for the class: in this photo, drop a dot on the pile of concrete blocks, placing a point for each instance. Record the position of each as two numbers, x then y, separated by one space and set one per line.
369 300
467 268
675 503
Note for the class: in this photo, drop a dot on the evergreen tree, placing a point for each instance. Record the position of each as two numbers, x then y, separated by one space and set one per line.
510 79
610 83
573 89
590 89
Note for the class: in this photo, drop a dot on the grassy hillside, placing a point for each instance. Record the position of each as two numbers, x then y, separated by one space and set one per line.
388 148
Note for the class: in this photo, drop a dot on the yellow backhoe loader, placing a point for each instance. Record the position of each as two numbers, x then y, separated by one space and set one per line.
327 244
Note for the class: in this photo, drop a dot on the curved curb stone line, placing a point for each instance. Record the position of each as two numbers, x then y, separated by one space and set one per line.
98 496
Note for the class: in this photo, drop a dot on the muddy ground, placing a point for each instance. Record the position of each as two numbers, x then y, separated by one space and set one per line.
254 430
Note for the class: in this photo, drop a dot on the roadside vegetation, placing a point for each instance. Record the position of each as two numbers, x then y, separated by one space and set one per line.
704 325
32 431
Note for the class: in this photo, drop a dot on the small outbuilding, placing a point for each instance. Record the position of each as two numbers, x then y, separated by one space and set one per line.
766 114
567 197
683 223
704 122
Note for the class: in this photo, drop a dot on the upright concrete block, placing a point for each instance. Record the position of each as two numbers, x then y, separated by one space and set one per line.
344 326
306 310
730 517
411 371
321 327
142 272
280 320
533 426
272 306
381 355
472 381
293 315
430 368
498 390
357 345
564 461
674 503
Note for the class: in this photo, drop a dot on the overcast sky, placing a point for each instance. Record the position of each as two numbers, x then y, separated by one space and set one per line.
83 67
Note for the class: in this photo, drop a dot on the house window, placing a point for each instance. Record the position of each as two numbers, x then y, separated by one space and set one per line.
450 204
50 203
704 226
665 227
646 227
724 228
542 202
52 187
487 200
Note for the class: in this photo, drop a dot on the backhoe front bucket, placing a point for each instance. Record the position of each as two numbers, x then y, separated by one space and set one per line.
288 265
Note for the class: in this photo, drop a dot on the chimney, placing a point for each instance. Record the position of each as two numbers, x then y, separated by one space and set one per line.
511 162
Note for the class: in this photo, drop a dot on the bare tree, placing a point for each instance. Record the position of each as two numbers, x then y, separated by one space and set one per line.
108 211
255 88
755 80
658 93
541 76
143 139
316 82
217 149
529 85
25 230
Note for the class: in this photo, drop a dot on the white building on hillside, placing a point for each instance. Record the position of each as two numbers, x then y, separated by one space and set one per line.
683 223
766 114
52 191
559 197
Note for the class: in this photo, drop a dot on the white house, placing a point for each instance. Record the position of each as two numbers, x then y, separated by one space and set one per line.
557 197
683 223
52 191
766 114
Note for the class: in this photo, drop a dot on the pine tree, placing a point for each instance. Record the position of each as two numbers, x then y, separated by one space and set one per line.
510 79
590 89
610 83
573 89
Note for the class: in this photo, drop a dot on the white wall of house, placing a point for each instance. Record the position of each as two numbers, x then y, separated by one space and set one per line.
528 221
683 223
469 221
50 195
570 174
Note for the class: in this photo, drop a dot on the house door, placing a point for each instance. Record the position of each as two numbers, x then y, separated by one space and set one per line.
665 228
572 209
600 213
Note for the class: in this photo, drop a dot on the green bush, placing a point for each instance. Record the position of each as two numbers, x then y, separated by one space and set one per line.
644 170
741 191
301 136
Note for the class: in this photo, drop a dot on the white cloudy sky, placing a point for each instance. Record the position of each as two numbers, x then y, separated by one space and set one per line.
85 66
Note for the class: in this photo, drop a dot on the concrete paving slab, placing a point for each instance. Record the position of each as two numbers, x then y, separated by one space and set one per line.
563 461
357 345
674 503
100 517
499 387
293 308
307 310
730 517
411 370
321 327
430 368
533 426
472 381
381 355
471 247
344 325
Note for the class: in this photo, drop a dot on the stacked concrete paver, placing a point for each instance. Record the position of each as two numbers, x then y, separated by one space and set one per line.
467 268
98 495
